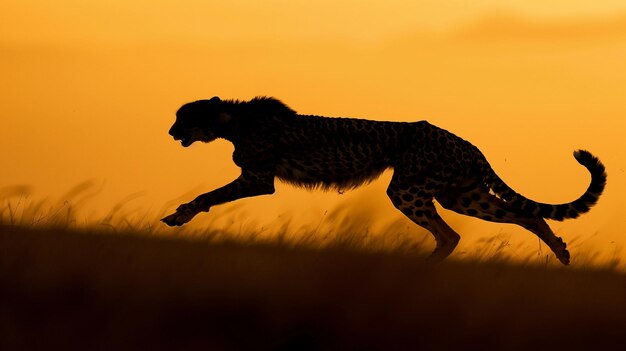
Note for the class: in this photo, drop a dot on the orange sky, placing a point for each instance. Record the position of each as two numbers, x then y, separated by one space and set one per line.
90 89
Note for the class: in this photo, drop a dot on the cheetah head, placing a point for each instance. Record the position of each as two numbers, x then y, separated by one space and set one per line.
201 120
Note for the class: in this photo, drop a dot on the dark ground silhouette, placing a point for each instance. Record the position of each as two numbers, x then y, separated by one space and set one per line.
84 290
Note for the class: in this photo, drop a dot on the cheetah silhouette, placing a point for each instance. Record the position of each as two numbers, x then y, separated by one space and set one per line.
429 163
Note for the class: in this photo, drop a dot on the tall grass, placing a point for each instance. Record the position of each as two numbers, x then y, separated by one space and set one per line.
339 228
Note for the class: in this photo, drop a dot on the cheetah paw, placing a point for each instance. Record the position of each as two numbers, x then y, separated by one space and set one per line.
180 217
560 251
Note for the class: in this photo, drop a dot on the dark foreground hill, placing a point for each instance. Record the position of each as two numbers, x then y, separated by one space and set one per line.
81 290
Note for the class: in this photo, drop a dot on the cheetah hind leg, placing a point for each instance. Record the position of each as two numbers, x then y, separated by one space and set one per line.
423 213
480 203
447 239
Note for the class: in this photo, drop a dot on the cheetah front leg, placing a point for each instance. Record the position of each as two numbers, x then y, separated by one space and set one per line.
249 183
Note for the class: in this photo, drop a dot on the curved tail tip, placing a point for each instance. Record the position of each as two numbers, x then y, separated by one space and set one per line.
597 170
588 160
582 154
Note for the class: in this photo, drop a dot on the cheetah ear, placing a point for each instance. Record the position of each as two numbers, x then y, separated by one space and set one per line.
215 99
224 118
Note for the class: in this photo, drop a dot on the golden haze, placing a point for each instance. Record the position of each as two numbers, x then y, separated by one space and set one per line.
90 90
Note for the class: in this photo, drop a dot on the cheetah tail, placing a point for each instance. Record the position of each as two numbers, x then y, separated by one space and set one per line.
561 211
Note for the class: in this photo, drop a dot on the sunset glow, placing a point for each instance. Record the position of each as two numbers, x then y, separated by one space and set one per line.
90 89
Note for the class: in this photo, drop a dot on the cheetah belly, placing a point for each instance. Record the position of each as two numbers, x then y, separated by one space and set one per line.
331 167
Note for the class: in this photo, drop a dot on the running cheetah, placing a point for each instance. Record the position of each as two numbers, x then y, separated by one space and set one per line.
429 163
